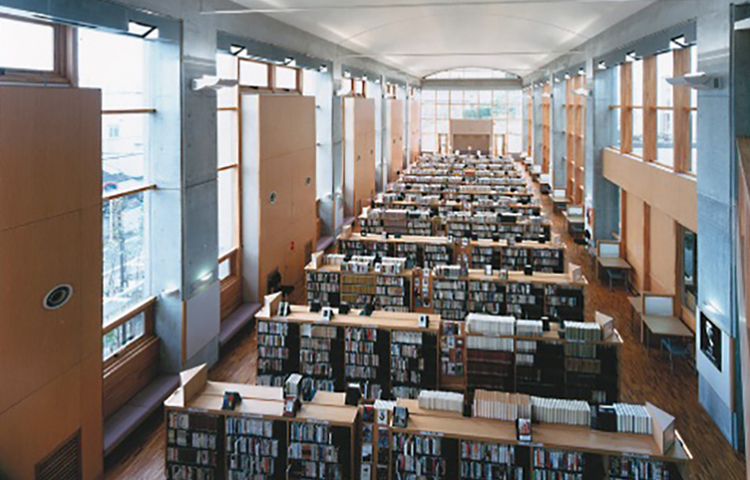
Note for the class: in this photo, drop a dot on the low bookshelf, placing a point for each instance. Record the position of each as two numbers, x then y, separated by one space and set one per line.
428 252
256 440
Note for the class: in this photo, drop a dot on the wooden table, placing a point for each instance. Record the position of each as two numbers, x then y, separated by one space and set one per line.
559 203
636 309
575 224
614 263
663 326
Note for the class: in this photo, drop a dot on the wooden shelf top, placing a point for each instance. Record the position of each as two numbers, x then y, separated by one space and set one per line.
502 243
379 319
554 336
520 277
331 268
266 402
553 436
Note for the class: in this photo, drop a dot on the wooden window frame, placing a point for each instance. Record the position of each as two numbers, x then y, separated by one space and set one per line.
451 102
65 58
681 109
271 78
147 308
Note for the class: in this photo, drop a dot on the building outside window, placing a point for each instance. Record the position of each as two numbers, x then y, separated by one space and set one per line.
689 269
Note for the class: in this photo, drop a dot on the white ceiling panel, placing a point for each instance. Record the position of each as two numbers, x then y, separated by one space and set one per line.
425 36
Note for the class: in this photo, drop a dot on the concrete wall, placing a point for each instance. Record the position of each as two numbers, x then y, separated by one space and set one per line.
716 171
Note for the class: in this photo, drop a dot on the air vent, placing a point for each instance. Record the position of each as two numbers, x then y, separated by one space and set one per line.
64 463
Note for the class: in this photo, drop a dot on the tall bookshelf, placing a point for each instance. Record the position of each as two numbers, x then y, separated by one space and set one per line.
546 365
390 292
278 347
387 353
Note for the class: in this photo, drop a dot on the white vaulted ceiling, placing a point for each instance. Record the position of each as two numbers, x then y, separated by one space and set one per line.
424 36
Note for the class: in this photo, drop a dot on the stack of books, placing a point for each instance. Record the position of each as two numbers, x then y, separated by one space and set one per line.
492 325
558 410
436 400
501 406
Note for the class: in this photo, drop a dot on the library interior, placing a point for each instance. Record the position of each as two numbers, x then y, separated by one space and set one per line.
374 239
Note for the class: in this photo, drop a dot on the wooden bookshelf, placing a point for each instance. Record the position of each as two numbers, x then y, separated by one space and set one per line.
523 296
386 353
282 447
426 252
204 441
548 365
600 450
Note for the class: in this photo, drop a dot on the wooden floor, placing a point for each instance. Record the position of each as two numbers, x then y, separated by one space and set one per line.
642 379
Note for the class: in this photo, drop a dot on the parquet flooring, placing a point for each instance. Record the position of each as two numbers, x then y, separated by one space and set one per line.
643 378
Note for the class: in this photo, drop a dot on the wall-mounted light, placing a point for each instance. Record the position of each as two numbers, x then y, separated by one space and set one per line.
236 50
142 30
567 76
347 74
290 62
696 81
364 77
323 69
581 71
631 57
678 42
210 82
602 65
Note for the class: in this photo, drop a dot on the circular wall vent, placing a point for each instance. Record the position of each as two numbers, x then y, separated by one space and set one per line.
57 297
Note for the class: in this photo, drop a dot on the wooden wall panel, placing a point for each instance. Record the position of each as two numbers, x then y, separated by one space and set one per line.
675 195
359 155
39 344
469 135
634 253
287 153
663 253
92 436
32 428
47 153
50 234
681 116
415 128
397 139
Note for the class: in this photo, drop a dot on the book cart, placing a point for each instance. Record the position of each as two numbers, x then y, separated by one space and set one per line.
256 440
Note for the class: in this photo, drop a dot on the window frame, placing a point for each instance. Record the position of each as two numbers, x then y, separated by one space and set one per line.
147 308
681 108
65 57
457 99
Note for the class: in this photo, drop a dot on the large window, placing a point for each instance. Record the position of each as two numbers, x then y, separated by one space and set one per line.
689 269
503 107
664 129
33 51
637 108
664 110
126 180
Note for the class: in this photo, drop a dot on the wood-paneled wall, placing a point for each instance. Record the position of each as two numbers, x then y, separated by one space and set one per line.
743 277
279 216
359 153
397 139
469 135
415 129
50 234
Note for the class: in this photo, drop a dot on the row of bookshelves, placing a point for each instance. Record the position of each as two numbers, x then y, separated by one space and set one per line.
262 438
387 363
423 252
